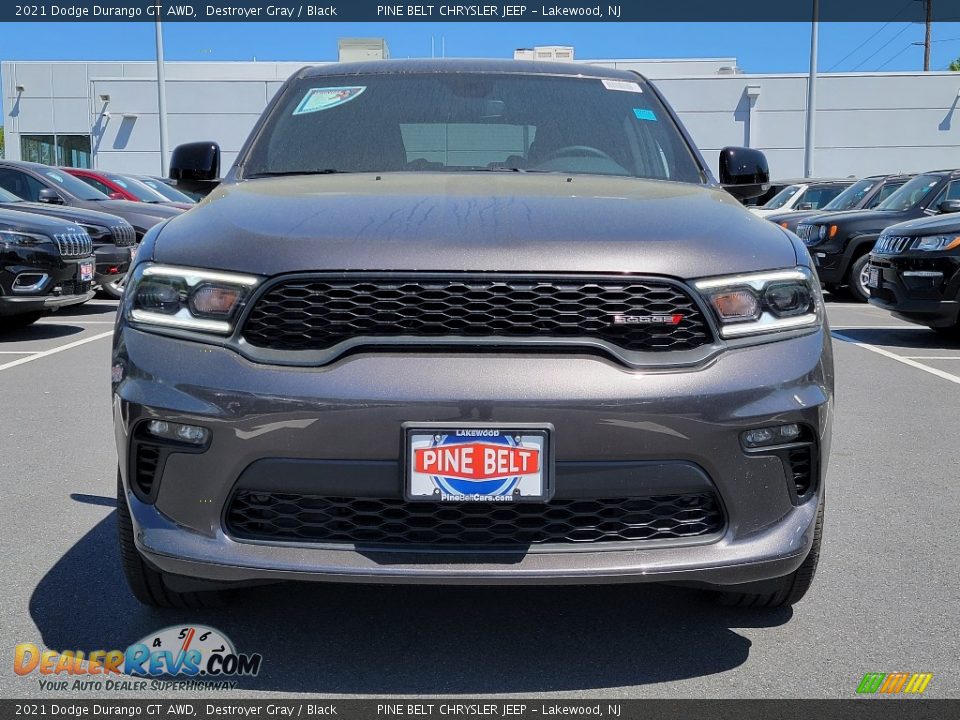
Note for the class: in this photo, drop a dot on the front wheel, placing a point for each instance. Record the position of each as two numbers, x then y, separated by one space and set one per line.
114 289
785 591
857 278
148 585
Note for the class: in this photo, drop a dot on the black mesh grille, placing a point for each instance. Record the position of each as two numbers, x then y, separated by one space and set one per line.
319 313
147 464
74 287
394 522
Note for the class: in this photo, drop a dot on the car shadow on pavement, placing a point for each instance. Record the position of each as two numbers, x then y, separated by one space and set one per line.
43 331
90 308
344 639
911 337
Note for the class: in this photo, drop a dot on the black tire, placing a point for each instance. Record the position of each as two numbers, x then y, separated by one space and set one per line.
855 279
114 290
949 333
785 591
15 322
146 584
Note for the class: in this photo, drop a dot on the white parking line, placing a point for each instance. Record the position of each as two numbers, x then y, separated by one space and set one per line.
932 357
19 352
54 351
899 358
69 321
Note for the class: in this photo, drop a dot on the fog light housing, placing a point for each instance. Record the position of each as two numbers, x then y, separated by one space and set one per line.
770 436
191 434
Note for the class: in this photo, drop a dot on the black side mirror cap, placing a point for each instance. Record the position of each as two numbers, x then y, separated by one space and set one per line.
196 166
49 195
949 206
744 172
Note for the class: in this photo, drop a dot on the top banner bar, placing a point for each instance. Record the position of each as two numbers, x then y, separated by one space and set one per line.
564 11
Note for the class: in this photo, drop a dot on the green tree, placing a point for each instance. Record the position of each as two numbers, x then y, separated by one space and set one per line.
954 66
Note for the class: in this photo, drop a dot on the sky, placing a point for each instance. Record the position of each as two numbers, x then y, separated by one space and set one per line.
758 47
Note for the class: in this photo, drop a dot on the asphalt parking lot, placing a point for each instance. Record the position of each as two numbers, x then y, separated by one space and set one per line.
885 599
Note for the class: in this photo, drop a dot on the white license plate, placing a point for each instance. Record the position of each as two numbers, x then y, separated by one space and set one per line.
133 252
477 464
873 278
85 272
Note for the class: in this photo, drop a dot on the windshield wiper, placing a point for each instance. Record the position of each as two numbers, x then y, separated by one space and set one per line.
280 173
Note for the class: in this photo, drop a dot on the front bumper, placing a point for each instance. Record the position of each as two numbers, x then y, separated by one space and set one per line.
27 304
921 288
111 263
353 410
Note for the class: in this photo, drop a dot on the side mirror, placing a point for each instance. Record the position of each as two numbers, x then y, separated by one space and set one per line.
50 196
805 206
744 172
115 196
949 206
196 166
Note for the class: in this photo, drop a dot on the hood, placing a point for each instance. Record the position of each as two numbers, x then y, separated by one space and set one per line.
473 222
796 215
928 225
19 221
67 212
128 206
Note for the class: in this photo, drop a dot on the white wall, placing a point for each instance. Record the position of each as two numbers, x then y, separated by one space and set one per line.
866 123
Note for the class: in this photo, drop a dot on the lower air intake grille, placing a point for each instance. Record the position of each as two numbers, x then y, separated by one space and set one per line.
800 467
318 313
147 464
394 522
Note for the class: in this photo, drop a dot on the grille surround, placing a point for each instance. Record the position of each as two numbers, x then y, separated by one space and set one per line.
74 244
123 235
395 524
326 313
893 244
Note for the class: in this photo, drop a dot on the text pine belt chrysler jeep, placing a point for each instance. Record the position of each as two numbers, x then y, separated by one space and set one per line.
471 322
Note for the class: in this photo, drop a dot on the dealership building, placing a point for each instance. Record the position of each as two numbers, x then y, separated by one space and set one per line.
104 114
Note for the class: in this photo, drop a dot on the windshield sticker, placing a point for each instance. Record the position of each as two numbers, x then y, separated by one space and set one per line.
55 176
644 114
622 86
318 99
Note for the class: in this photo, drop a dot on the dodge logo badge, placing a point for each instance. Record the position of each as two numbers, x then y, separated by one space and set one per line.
647 319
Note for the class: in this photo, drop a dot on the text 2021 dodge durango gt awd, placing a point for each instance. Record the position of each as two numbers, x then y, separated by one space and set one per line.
471 322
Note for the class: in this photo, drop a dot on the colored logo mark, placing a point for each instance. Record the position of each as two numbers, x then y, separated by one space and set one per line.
894 683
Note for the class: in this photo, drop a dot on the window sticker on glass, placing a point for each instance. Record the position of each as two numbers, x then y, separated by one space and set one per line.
318 99
644 114
622 86
54 176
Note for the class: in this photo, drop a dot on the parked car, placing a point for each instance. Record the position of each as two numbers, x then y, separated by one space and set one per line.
45 184
181 188
45 264
113 238
574 359
914 271
122 187
864 194
802 195
841 242
168 191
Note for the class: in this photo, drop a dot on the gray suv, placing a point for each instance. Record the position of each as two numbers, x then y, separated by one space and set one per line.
471 322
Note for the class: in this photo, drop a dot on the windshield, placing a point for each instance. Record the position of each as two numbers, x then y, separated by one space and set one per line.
850 198
161 188
78 188
911 193
782 197
462 122
137 189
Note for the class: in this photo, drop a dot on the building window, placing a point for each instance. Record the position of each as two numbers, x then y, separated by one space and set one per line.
38 148
65 150
73 151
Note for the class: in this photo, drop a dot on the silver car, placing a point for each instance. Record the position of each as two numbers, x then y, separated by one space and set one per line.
471 322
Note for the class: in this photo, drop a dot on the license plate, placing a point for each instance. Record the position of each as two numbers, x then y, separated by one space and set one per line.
85 271
873 278
477 464
133 252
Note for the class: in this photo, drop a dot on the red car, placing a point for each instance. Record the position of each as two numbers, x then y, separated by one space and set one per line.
121 187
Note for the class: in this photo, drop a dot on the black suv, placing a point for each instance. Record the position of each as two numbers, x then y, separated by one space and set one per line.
45 264
914 272
864 194
113 238
841 242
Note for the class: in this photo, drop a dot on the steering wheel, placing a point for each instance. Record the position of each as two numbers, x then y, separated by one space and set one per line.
575 151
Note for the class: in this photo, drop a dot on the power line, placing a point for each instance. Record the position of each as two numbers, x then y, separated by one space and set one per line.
895 56
883 47
884 27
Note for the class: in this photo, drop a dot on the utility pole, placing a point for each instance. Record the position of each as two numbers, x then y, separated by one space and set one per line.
161 94
926 37
810 140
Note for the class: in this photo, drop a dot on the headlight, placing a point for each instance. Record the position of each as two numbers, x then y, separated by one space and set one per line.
187 298
937 242
763 302
97 233
22 239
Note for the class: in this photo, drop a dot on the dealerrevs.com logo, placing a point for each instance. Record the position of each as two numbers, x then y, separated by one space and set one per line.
195 653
